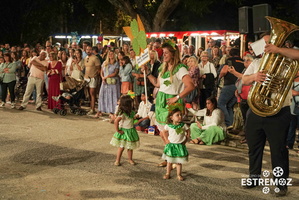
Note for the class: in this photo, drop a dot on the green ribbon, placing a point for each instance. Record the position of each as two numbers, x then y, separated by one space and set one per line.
176 69
178 128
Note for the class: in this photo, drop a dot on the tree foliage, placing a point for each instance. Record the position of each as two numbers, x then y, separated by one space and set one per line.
34 20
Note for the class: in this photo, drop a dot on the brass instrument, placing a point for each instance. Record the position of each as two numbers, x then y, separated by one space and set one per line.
267 98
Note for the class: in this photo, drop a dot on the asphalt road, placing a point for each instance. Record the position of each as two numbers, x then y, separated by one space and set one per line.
48 156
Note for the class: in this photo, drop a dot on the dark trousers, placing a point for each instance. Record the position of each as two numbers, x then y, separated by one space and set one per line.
273 128
204 94
292 131
11 87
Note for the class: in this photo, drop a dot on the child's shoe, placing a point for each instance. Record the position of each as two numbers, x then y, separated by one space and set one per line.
166 176
13 105
180 178
132 162
2 105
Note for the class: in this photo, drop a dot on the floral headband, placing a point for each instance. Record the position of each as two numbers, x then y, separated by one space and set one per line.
173 106
171 43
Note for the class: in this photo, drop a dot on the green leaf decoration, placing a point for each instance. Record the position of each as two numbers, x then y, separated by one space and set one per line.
134 29
179 130
136 47
173 106
167 82
141 38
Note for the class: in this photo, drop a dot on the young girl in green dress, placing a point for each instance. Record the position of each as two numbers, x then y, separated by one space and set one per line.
126 136
175 135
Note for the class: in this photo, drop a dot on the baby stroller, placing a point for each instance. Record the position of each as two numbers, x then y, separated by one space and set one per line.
20 88
72 94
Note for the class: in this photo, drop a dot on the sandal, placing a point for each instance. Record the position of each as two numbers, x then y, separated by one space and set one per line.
166 176
180 178
201 143
98 115
117 163
132 162
194 141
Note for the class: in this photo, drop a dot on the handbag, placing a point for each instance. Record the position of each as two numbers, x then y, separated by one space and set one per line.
191 97
209 81
111 81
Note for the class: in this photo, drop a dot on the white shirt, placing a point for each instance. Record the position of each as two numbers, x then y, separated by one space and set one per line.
216 119
254 67
177 85
174 137
36 72
206 69
125 122
144 109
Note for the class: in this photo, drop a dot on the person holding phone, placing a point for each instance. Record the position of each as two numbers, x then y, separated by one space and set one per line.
77 65
227 98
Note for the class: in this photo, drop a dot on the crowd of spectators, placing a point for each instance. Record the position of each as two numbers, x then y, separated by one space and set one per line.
110 72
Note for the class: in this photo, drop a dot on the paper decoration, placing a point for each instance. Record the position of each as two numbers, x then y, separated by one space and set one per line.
136 33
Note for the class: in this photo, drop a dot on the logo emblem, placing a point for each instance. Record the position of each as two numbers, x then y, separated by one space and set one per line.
278 171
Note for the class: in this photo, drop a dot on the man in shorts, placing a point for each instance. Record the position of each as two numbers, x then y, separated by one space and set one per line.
92 68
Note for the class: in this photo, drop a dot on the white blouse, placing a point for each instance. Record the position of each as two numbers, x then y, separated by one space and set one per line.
216 119
175 138
177 85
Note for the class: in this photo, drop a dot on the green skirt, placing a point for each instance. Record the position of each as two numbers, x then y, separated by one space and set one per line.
209 136
128 140
175 153
161 110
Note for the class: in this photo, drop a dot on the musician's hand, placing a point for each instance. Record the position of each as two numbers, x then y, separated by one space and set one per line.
270 48
260 77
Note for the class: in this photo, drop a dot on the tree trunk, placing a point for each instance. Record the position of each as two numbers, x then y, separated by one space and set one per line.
150 23
164 11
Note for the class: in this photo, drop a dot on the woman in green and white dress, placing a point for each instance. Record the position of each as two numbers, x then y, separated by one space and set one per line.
212 129
174 83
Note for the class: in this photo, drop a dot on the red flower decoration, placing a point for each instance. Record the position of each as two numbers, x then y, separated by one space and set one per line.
188 105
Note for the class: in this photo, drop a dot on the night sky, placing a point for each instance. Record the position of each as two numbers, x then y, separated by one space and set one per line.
34 20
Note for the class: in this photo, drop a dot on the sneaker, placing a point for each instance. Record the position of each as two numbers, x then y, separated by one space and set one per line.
13 105
39 109
91 112
56 98
2 105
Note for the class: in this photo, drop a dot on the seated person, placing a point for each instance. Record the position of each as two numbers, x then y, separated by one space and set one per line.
212 129
142 114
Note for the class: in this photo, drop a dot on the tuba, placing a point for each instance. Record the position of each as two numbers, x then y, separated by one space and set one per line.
267 98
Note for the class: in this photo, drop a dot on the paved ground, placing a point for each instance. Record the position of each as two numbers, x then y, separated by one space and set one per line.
47 156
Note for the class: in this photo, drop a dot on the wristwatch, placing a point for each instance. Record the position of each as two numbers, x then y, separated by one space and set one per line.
178 96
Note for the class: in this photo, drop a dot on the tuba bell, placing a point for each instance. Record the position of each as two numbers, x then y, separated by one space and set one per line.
267 98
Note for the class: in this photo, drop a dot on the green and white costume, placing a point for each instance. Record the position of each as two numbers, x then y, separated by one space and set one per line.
129 139
168 89
213 128
175 151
